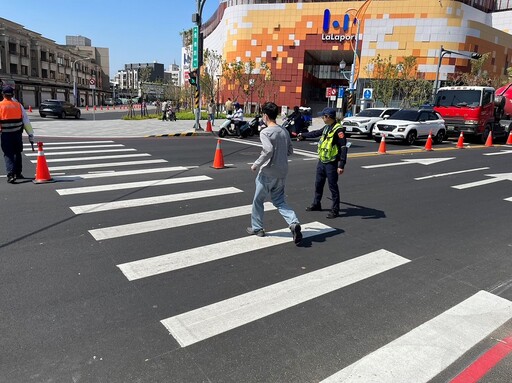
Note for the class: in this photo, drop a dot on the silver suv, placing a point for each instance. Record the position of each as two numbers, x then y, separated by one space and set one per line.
364 121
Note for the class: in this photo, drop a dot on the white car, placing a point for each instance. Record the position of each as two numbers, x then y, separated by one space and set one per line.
409 125
364 121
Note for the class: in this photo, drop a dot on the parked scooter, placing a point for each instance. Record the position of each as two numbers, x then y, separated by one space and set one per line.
228 128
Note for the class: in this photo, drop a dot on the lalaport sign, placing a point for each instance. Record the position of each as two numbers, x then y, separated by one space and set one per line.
340 31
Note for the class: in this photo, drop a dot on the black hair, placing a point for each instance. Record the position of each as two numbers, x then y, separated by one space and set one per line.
295 108
270 109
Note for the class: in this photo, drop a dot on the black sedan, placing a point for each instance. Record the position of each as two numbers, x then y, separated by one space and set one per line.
58 108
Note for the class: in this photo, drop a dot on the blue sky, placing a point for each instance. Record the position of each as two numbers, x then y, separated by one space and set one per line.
134 31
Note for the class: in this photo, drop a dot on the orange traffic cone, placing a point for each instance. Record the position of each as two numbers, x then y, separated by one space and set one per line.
218 161
509 139
42 172
30 109
208 126
460 142
488 142
428 145
382 146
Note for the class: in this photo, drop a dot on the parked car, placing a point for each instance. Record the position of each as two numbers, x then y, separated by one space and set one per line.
112 102
58 108
409 125
364 121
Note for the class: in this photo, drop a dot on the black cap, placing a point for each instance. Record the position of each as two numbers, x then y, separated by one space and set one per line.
8 90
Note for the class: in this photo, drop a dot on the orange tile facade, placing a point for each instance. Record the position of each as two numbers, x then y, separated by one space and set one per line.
280 35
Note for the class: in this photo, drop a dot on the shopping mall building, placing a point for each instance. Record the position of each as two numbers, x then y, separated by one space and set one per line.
302 43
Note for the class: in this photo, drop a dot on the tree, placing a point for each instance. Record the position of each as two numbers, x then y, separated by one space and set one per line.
478 76
231 73
413 90
212 64
383 76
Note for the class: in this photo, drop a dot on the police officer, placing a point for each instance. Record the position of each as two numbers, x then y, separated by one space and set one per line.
332 155
12 123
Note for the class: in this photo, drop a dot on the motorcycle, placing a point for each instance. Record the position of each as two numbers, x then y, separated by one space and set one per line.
289 125
256 124
228 128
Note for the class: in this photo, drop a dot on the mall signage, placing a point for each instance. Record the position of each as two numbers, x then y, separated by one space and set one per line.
342 30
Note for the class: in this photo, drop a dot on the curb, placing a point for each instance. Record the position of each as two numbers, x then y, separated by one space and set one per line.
184 134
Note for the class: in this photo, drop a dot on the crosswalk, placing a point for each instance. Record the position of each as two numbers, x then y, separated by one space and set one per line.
416 356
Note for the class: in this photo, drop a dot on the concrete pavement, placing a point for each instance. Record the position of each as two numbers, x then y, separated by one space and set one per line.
118 128
70 127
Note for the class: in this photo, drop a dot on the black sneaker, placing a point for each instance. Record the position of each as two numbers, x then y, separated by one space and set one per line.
297 235
20 176
11 179
333 214
314 207
258 233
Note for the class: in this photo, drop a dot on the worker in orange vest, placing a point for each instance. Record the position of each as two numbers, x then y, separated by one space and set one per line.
12 124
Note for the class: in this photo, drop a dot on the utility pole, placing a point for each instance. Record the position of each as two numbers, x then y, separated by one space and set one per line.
442 52
197 59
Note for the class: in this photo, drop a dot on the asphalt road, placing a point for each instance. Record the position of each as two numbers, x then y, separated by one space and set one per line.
115 284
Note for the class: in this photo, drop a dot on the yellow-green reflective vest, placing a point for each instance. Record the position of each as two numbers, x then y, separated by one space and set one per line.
327 152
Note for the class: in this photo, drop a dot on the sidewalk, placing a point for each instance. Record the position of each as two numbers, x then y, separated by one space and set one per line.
119 128
70 127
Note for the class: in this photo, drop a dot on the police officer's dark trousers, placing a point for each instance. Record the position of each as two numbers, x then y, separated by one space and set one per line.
327 171
12 146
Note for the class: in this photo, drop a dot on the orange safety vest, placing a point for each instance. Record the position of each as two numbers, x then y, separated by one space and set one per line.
11 116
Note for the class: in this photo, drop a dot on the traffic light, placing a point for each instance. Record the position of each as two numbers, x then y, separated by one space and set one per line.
476 56
192 78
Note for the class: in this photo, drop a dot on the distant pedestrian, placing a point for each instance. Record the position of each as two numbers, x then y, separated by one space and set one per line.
229 106
273 169
332 157
211 111
164 111
13 120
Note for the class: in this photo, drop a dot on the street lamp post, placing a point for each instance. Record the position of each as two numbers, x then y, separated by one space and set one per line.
442 52
218 94
196 17
352 85
251 85
73 67
345 73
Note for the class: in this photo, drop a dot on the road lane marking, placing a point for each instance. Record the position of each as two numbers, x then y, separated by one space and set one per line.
422 353
131 185
498 153
72 143
450 173
205 322
137 202
73 159
106 165
172 222
122 173
421 161
494 178
82 147
186 258
80 152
